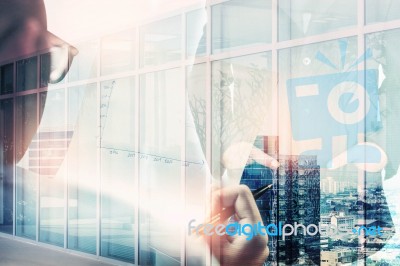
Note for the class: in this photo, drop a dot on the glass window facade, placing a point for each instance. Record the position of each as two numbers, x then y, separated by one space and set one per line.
7 78
304 18
161 42
47 158
152 117
118 52
238 23
118 122
7 161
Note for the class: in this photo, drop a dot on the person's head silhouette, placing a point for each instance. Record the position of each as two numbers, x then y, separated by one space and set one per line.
23 28
23 33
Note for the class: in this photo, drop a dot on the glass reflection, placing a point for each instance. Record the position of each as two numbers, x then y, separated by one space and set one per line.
118 52
26 173
195 150
6 166
304 18
196 33
161 143
27 74
381 11
382 187
118 153
241 98
160 42
82 170
84 65
240 23
7 79
53 139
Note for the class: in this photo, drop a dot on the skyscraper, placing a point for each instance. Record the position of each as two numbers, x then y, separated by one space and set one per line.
295 198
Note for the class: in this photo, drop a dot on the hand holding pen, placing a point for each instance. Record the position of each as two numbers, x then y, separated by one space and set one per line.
240 201
229 211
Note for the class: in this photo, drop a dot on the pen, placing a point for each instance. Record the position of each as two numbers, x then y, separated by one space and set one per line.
227 212
260 191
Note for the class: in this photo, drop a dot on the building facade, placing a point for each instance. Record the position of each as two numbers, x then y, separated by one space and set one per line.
243 67
295 198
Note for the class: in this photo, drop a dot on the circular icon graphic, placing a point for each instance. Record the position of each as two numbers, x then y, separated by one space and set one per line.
358 97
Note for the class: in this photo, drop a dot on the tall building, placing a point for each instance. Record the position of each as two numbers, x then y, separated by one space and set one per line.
256 175
298 201
295 198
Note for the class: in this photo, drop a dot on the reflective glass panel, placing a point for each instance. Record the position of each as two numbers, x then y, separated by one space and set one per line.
382 181
381 11
26 171
118 52
240 23
161 142
241 96
160 42
7 78
53 139
82 170
196 33
196 175
27 74
6 166
302 18
118 153
84 65
45 63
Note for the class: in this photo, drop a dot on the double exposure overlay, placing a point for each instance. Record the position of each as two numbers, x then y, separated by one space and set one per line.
117 136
